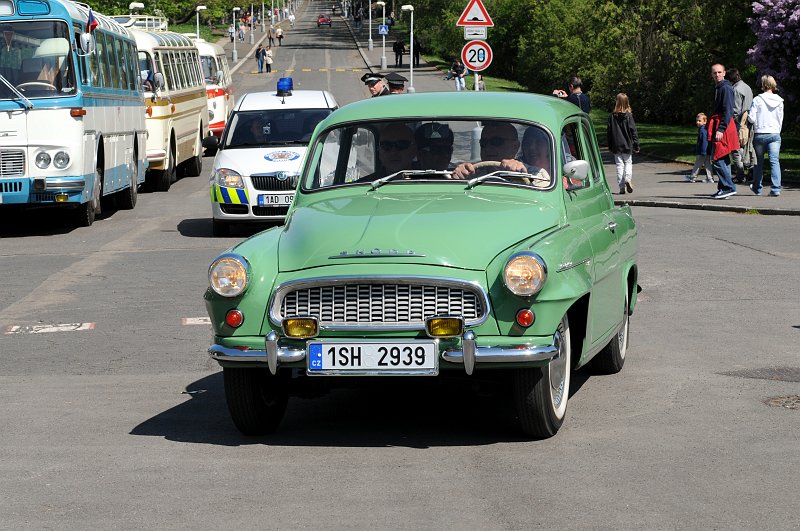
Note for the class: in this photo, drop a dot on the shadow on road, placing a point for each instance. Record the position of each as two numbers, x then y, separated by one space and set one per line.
444 413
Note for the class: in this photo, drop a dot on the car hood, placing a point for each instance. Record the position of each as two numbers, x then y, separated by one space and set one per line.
255 161
455 229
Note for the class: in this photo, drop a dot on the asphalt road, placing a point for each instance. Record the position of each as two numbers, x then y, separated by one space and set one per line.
119 420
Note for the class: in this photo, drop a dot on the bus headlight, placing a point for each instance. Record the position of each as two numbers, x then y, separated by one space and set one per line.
42 160
228 275
61 160
228 178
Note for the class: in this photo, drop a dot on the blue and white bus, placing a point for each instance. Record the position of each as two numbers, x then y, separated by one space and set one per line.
72 114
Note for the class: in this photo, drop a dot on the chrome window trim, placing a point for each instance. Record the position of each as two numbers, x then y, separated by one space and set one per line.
280 292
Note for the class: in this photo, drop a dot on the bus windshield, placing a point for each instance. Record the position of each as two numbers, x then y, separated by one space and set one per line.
35 58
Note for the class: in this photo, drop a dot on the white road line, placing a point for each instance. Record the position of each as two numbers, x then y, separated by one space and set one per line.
196 321
47 328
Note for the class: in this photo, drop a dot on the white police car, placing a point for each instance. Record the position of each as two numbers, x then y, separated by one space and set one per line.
259 155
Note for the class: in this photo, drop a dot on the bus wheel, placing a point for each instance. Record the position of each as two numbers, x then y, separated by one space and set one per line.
126 199
86 212
194 166
165 178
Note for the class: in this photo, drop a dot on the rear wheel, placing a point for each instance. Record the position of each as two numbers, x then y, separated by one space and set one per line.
256 399
194 166
541 394
126 199
611 359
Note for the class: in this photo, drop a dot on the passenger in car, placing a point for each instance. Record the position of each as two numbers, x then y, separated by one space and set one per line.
434 146
499 143
396 149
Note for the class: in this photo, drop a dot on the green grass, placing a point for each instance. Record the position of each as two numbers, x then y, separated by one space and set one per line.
212 35
492 83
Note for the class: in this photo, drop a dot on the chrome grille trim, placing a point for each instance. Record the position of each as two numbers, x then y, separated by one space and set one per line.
270 183
12 163
379 302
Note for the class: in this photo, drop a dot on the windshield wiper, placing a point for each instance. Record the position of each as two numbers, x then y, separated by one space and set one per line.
524 177
28 103
407 173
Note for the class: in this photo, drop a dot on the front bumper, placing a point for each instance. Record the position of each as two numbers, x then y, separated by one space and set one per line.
470 354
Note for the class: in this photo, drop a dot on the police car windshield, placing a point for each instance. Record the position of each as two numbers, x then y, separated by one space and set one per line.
273 127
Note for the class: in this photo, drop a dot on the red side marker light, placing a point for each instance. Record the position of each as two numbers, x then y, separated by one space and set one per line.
525 317
234 318
75 113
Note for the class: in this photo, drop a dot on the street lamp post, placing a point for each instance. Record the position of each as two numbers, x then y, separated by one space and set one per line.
383 36
198 9
409 7
369 41
235 56
252 27
263 28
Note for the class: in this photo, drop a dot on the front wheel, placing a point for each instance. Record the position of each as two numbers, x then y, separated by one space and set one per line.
86 212
541 394
256 399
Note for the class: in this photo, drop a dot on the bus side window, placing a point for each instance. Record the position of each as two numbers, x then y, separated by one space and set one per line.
122 64
102 58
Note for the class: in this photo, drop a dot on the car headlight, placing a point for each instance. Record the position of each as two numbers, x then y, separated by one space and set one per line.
61 160
228 275
42 160
525 274
228 178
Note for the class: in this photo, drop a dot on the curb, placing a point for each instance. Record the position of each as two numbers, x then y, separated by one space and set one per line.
709 206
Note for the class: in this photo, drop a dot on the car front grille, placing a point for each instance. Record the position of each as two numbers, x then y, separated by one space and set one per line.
12 163
381 303
11 186
270 183
270 210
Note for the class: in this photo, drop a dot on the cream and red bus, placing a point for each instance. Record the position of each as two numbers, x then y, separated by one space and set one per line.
219 86
177 108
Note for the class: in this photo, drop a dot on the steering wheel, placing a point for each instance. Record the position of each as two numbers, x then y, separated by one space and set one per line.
36 84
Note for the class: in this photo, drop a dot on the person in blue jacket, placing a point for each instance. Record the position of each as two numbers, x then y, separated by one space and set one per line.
702 158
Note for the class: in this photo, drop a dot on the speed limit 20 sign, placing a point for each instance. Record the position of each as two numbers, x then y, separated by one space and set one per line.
476 55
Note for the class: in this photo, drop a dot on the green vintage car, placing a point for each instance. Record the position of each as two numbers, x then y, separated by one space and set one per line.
431 235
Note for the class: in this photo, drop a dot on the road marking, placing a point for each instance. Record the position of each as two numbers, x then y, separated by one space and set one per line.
196 321
341 70
47 328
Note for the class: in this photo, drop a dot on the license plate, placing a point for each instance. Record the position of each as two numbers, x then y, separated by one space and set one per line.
275 200
373 358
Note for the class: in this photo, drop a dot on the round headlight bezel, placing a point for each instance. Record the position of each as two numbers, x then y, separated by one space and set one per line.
525 264
229 275
62 156
43 160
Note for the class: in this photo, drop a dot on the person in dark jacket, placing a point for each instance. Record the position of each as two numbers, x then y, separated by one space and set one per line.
623 141
576 94
702 160
375 84
719 123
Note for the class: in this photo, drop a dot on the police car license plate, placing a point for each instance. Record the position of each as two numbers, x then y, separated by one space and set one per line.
275 199
418 358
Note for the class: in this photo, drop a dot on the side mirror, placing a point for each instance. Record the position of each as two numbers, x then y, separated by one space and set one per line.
576 174
220 77
87 43
158 79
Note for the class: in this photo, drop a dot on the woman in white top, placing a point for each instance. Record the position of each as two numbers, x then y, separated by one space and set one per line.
766 115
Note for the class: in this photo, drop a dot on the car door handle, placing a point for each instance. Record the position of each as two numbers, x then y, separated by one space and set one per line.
612 226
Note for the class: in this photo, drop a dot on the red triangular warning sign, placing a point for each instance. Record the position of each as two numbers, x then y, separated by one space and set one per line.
475 15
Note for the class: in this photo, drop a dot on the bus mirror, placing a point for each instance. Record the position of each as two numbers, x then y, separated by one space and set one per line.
87 43
220 77
158 78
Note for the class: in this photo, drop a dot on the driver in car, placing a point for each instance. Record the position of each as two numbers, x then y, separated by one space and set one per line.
499 142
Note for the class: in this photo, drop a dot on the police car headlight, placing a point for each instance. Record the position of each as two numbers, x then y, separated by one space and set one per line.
42 160
61 160
525 274
228 178
228 275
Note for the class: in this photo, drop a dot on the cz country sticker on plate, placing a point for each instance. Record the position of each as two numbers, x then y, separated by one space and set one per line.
418 358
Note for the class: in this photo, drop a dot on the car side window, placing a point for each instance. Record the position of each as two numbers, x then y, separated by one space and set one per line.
591 155
572 148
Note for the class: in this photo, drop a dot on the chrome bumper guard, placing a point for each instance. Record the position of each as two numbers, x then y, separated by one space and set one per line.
469 355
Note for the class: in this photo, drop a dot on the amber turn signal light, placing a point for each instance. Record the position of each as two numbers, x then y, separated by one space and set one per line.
444 326
234 318
301 327
75 113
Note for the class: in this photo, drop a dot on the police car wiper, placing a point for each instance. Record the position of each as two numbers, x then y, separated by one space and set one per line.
407 173
28 103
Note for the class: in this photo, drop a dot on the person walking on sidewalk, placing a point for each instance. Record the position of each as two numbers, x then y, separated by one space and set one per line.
399 48
260 58
270 36
743 98
268 58
279 36
722 133
701 151
459 72
623 141
766 113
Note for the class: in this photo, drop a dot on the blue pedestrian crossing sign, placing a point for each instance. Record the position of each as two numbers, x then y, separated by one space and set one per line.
383 29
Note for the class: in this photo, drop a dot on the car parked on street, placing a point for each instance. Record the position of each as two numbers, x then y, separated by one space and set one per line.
258 158
323 20
432 235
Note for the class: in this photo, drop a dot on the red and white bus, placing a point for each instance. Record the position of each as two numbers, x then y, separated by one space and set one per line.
218 85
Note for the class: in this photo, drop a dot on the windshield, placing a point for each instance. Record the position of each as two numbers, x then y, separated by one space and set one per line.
209 65
273 127
375 153
35 58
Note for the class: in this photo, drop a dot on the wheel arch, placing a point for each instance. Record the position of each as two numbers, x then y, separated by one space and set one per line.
578 316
